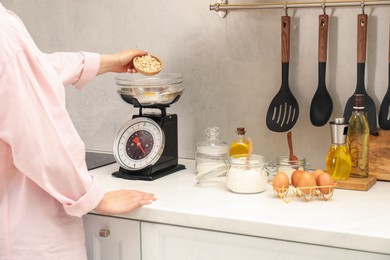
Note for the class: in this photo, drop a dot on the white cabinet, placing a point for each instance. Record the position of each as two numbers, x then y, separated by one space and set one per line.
110 238
165 242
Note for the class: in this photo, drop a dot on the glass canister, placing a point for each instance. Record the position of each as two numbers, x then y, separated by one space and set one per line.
246 175
211 156
284 164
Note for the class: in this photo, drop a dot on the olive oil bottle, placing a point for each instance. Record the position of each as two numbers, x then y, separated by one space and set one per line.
240 146
338 161
358 138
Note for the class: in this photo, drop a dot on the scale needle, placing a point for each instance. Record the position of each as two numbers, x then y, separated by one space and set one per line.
136 140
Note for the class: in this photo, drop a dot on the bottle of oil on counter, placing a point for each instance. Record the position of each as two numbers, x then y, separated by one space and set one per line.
338 161
358 138
240 146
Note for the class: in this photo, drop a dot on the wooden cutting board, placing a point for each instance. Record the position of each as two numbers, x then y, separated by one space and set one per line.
379 164
362 184
379 155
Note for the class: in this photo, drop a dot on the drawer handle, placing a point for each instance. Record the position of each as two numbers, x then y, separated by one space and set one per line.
104 232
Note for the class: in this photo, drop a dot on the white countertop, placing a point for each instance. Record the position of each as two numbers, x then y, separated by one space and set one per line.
351 219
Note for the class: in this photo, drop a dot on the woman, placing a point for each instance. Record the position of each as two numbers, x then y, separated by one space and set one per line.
45 187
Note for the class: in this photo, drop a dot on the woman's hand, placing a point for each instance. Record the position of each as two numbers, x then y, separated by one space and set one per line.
123 201
119 62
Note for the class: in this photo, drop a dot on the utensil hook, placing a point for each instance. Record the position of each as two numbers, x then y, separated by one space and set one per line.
323 7
362 5
285 8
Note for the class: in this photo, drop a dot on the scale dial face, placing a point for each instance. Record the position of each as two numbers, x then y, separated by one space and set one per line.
139 143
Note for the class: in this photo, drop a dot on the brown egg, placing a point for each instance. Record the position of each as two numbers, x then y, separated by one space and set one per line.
325 180
281 182
307 182
317 173
295 177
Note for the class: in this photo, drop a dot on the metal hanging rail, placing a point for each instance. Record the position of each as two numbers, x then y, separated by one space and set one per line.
221 7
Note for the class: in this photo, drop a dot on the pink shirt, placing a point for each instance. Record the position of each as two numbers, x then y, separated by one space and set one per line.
45 187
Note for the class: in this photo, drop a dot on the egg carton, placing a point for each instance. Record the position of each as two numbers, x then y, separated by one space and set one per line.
305 193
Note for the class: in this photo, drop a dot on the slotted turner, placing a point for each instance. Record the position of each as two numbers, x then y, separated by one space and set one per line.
384 111
283 111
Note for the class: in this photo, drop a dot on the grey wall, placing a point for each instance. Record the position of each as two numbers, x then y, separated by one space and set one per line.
231 66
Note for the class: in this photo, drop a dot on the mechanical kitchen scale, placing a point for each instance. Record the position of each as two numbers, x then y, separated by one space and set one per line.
146 147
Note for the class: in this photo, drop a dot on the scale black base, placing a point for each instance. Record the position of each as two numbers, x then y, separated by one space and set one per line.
147 174
168 161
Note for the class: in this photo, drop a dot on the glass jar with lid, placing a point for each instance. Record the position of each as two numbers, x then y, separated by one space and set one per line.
288 166
211 156
246 175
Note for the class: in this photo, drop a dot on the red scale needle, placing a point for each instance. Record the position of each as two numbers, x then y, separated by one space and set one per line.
139 145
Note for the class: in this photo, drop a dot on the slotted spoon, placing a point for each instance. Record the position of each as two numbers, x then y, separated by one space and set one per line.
283 111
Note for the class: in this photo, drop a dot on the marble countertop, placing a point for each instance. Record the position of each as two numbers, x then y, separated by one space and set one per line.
357 220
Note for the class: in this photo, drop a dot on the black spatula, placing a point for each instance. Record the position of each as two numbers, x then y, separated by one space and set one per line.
384 111
360 88
284 110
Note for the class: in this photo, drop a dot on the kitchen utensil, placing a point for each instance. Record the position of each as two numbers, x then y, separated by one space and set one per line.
322 104
148 65
360 184
292 157
283 111
146 147
384 111
360 87
161 89
378 156
250 151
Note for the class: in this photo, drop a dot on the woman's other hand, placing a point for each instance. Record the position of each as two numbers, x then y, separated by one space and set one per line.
123 201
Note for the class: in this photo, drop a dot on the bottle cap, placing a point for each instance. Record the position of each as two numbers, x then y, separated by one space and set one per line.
358 101
339 120
241 130
338 131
